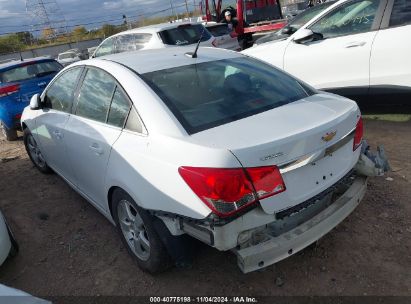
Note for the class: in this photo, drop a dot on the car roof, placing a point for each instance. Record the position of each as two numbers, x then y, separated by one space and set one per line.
146 61
17 62
154 28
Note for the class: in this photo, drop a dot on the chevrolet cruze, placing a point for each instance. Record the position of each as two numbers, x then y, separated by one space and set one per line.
214 145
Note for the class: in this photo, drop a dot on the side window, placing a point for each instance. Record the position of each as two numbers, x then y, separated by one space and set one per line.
131 42
60 94
95 95
133 122
401 13
350 18
120 106
106 48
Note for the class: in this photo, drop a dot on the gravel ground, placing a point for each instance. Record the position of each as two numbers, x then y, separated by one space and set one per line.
68 248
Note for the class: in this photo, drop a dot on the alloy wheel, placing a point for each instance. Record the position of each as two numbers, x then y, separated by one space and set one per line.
133 229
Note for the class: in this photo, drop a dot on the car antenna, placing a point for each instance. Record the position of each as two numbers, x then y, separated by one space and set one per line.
194 54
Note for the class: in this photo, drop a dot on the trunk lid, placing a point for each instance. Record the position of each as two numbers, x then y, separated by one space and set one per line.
294 137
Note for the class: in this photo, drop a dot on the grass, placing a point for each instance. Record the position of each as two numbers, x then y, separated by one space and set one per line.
389 117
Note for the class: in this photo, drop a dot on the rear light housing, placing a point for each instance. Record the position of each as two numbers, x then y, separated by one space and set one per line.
359 130
9 89
227 191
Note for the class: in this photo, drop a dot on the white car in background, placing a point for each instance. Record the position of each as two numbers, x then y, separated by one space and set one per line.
8 244
224 37
156 36
355 48
214 145
68 58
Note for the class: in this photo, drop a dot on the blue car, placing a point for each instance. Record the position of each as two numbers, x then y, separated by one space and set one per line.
19 80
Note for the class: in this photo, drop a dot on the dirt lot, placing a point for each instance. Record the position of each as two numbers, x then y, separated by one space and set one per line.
68 248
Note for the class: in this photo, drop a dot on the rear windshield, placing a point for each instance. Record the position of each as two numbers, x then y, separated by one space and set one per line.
29 71
219 30
210 94
184 34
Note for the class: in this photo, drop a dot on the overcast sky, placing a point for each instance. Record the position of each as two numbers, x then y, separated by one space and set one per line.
92 13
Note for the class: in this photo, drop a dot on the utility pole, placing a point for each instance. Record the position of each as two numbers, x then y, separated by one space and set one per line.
188 14
172 9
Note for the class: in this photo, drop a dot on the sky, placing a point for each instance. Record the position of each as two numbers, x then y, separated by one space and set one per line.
91 13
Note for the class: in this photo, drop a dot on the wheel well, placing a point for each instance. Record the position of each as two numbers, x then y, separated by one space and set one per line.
109 198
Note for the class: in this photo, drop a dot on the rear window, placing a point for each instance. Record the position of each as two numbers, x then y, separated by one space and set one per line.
184 34
30 70
131 42
219 30
210 94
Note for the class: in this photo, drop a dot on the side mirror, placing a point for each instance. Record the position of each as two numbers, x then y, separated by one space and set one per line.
35 102
303 35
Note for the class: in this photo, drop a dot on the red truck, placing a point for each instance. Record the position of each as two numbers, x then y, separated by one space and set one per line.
253 16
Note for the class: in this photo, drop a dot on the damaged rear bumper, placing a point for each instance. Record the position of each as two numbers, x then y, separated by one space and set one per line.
276 248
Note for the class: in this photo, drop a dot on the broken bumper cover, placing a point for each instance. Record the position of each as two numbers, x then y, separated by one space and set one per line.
282 246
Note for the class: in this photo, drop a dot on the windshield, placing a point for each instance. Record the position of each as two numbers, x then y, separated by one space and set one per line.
210 94
296 23
184 34
30 70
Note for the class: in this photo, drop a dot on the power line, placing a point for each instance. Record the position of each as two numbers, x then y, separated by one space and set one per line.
119 19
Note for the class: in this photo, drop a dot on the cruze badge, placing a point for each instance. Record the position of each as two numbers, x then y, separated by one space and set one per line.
327 137
271 156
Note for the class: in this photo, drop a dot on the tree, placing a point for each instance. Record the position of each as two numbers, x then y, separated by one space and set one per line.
47 33
79 32
25 37
10 43
108 30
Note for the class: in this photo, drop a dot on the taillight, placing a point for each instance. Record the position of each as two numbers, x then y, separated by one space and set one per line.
8 90
226 191
359 130
214 42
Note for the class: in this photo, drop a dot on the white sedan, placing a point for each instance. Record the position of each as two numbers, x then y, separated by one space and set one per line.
355 48
8 244
157 36
218 146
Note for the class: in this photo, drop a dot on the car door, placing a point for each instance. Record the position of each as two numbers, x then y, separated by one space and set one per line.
391 52
337 59
95 126
50 123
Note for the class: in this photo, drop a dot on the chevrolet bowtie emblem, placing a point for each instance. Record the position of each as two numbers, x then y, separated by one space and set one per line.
327 137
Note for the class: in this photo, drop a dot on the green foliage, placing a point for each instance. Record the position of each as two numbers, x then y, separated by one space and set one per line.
11 43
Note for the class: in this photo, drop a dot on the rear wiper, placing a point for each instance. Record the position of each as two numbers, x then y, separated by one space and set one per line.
45 73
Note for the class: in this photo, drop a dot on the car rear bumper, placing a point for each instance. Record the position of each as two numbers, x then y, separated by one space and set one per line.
276 248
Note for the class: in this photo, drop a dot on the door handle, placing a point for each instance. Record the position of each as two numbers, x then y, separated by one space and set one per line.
96 149
355 44
58 134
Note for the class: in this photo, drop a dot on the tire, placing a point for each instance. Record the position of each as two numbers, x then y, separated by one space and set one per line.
34 152
138 234
14 250
14 245
9 134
